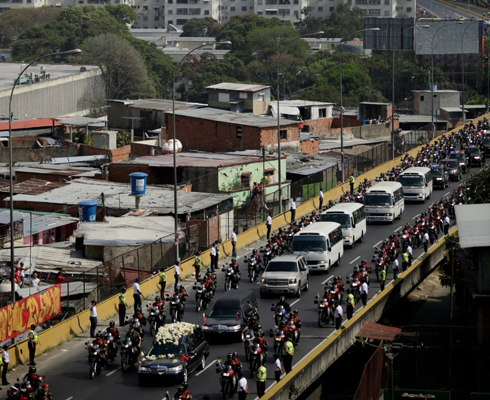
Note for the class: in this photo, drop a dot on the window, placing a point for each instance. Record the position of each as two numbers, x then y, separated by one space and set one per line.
284 12
284 134
361 2
244 8
387 2
170 12
409 9
182 11
375 2
245 179
145 18
206 12
238 132
259 12
171 22
145 8
181 21
223 97
35 239
331 9
375 11
270 1
320 8
270 12
387 13
421 98
261 97
232 8
322 113
194 11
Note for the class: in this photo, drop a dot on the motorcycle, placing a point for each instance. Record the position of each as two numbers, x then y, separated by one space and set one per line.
176 308
279 314
279 337
253 268
112 346
94 359
231 278
324 311
227 379
156 319
21 389
266 255
203 297
255 356
129 354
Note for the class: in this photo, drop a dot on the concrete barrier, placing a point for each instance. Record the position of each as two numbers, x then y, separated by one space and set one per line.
315 363
108 308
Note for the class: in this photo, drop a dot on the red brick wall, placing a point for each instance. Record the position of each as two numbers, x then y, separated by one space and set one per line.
310 146
24 176
347 122
318 126
142 150
219 136
122 153
119 172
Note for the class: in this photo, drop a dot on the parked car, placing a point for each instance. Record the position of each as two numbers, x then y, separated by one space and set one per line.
226 319
440 176
167 361
284 275
453 168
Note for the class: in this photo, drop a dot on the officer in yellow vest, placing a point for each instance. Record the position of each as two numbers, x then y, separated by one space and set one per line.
350 303
287 354
122 306
404 260
352 180
198 264
32 343
382 278
260 377
163 282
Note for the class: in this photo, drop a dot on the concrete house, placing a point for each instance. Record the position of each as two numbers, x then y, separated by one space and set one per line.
238 97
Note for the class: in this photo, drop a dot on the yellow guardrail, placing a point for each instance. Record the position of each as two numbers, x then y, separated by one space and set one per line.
105 309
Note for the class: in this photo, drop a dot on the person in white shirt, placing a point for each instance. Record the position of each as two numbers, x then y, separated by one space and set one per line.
233 242
242 387
447 224
93 318
395 269
410 253
22 274
269 225
52 239
293 209
34 280
277 367
6 360
339 315
177 274
364 292
214 260
320 196
425 241
137 295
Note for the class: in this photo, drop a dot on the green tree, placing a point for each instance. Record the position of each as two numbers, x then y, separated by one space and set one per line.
201 27
122 67
122 13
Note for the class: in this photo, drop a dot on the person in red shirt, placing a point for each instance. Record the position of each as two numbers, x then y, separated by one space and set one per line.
17 277
59 279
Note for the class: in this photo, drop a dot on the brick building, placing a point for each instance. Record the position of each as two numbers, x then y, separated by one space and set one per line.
211 129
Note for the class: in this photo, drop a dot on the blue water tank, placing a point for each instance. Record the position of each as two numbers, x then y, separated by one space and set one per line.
433 88
138 183
87 211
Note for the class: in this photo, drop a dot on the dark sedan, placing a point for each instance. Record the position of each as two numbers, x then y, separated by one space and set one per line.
476 156
174 360
453 168
440 176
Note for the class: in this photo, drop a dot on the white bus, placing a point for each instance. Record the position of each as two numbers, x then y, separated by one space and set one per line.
417 183
384 202
352 219
321 244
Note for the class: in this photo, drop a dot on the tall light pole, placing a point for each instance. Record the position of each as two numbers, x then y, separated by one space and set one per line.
462 71
12 251
432 76
279 114
341 101
393 91
176 225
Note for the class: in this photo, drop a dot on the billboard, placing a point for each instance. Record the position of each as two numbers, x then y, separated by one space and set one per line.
393 34
17 318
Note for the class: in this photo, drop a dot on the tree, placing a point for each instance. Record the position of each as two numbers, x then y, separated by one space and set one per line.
122 13
201 27
122 67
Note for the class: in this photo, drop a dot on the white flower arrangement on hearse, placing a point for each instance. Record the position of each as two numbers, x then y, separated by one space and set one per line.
170 334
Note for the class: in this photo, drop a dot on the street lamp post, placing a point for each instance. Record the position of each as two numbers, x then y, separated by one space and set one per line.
279 114
341 101
462 71
12 251
176 225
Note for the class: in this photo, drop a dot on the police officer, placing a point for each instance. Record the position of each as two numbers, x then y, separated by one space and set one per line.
382 278
122 306
352 180
350 303
31 344
197 263
405 260
287 354
163 282
260 377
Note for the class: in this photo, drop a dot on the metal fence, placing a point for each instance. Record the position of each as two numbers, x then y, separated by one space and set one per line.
374 377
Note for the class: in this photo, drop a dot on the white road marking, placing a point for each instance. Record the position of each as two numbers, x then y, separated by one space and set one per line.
447 194
416 216
110 373
397 229
69 398
294 302
376 245
326 280
209 365
355 259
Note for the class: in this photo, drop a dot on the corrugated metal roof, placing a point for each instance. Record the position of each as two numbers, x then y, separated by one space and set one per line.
310 171
73 160
39 222
453 109
80 121
473 225
284 110
237 86
31 187
163 105
380 332
303 103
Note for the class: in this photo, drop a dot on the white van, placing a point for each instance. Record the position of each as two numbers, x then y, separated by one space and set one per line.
384 202
352 219
321 244
417 183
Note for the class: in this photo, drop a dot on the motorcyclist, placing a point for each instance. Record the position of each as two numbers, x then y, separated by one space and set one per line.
182 393
182 293
135 337
262 342
238 363
44 393
160 304
31 375
235 266
284 303
113 330
99 341
140 317
232 362
296 320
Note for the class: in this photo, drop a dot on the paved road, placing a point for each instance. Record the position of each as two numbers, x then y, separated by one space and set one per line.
67 368
444 11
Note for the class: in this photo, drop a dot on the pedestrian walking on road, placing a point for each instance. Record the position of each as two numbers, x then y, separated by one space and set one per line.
293 209
177 275
260 377
350 303
93 318
339 315
320 198
122 306
287 354
364 291
242 388
277 367
5 361
382 278
269 225
32 344
233 242
137 295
